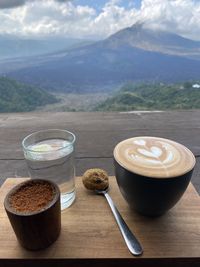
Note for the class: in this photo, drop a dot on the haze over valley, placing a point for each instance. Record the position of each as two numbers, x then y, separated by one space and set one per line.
133 54
80 71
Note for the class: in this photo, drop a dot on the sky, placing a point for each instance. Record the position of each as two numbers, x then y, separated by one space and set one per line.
97 19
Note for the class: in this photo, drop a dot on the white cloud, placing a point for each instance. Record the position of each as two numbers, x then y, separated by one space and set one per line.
46 17
63 17
179 16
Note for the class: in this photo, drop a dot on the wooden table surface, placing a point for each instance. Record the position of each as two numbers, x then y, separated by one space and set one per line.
90 235
97 134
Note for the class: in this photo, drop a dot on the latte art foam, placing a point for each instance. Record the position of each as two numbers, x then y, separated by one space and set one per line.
154 157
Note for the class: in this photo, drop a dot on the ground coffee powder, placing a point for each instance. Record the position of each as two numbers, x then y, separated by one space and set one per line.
31 197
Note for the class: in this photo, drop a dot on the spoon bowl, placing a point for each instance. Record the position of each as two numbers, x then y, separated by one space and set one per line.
98 181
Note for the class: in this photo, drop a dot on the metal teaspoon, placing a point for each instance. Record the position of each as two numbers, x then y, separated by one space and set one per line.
131 241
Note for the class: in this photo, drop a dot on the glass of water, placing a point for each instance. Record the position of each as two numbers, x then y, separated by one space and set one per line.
49 155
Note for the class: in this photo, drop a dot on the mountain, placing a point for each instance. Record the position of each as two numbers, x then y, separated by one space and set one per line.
18 97
12 46
155 40
132 54
153 97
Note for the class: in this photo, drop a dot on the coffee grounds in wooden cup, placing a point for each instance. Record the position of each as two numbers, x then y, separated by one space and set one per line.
33 208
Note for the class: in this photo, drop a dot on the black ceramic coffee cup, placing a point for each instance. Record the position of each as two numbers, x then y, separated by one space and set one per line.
152 173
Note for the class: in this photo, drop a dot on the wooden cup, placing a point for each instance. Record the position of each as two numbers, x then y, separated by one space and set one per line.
39 229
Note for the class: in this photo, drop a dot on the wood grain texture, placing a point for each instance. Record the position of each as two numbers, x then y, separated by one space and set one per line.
97 134
90 235
34 231
17 168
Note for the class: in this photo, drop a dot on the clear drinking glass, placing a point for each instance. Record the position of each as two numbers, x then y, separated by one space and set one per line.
49 155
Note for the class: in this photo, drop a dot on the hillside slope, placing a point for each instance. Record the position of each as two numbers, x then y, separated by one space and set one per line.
153 97
19 97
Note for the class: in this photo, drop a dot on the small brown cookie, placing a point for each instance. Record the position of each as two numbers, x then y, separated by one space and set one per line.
95 179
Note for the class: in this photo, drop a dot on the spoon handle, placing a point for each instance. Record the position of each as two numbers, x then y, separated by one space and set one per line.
131 241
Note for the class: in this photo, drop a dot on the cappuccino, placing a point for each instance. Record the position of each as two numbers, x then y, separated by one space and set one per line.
154 157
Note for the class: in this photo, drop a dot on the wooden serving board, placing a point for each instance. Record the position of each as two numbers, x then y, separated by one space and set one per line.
90 235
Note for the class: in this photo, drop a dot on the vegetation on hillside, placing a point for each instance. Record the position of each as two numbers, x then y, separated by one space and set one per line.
153 97
20 97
